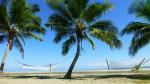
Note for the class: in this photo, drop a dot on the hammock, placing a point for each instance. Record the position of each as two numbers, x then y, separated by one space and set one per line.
49 67
41 68
126 65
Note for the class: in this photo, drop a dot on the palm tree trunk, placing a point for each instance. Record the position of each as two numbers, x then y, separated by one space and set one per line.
68 74
4 58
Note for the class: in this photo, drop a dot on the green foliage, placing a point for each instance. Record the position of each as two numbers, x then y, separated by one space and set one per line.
76 7
18 22
74 21
93 11
107 37
68 44
89 40
141 8
141 31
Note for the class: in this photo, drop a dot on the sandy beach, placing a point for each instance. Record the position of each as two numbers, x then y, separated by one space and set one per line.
58 81
78 78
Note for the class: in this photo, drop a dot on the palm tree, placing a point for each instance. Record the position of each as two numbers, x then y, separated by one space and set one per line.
140 30
75 21
17 23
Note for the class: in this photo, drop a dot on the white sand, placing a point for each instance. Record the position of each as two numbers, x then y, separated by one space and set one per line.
59 81
80 78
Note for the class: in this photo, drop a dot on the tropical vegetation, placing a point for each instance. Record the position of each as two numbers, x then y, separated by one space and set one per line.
18 21
140 30
75 21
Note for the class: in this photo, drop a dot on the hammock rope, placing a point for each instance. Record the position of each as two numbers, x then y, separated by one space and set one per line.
49 67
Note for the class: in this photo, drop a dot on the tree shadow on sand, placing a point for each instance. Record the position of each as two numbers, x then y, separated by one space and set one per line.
136 76
32 77
42 77
83 77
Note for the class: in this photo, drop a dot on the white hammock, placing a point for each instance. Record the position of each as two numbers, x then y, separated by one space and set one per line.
128 65
36 68
42 68
49 67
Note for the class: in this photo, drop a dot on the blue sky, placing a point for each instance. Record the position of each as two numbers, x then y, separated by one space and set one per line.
44 53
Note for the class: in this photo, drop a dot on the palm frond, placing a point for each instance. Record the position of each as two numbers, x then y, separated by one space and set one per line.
4 20
68 44
107 37
74 17
95 10
19 46
21 38
17 9
134 27
61 35
105 25
34 8
89 40
141 8
58 22
34 29
76 7
20 12
31 35
138 43
18 22
59 7
141 35
32 25
60 25
3 38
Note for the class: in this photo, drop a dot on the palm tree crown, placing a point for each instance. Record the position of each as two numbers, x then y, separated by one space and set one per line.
77 19
17 22
141 31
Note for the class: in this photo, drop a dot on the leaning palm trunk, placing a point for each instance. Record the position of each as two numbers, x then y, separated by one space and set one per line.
4 58
68 74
